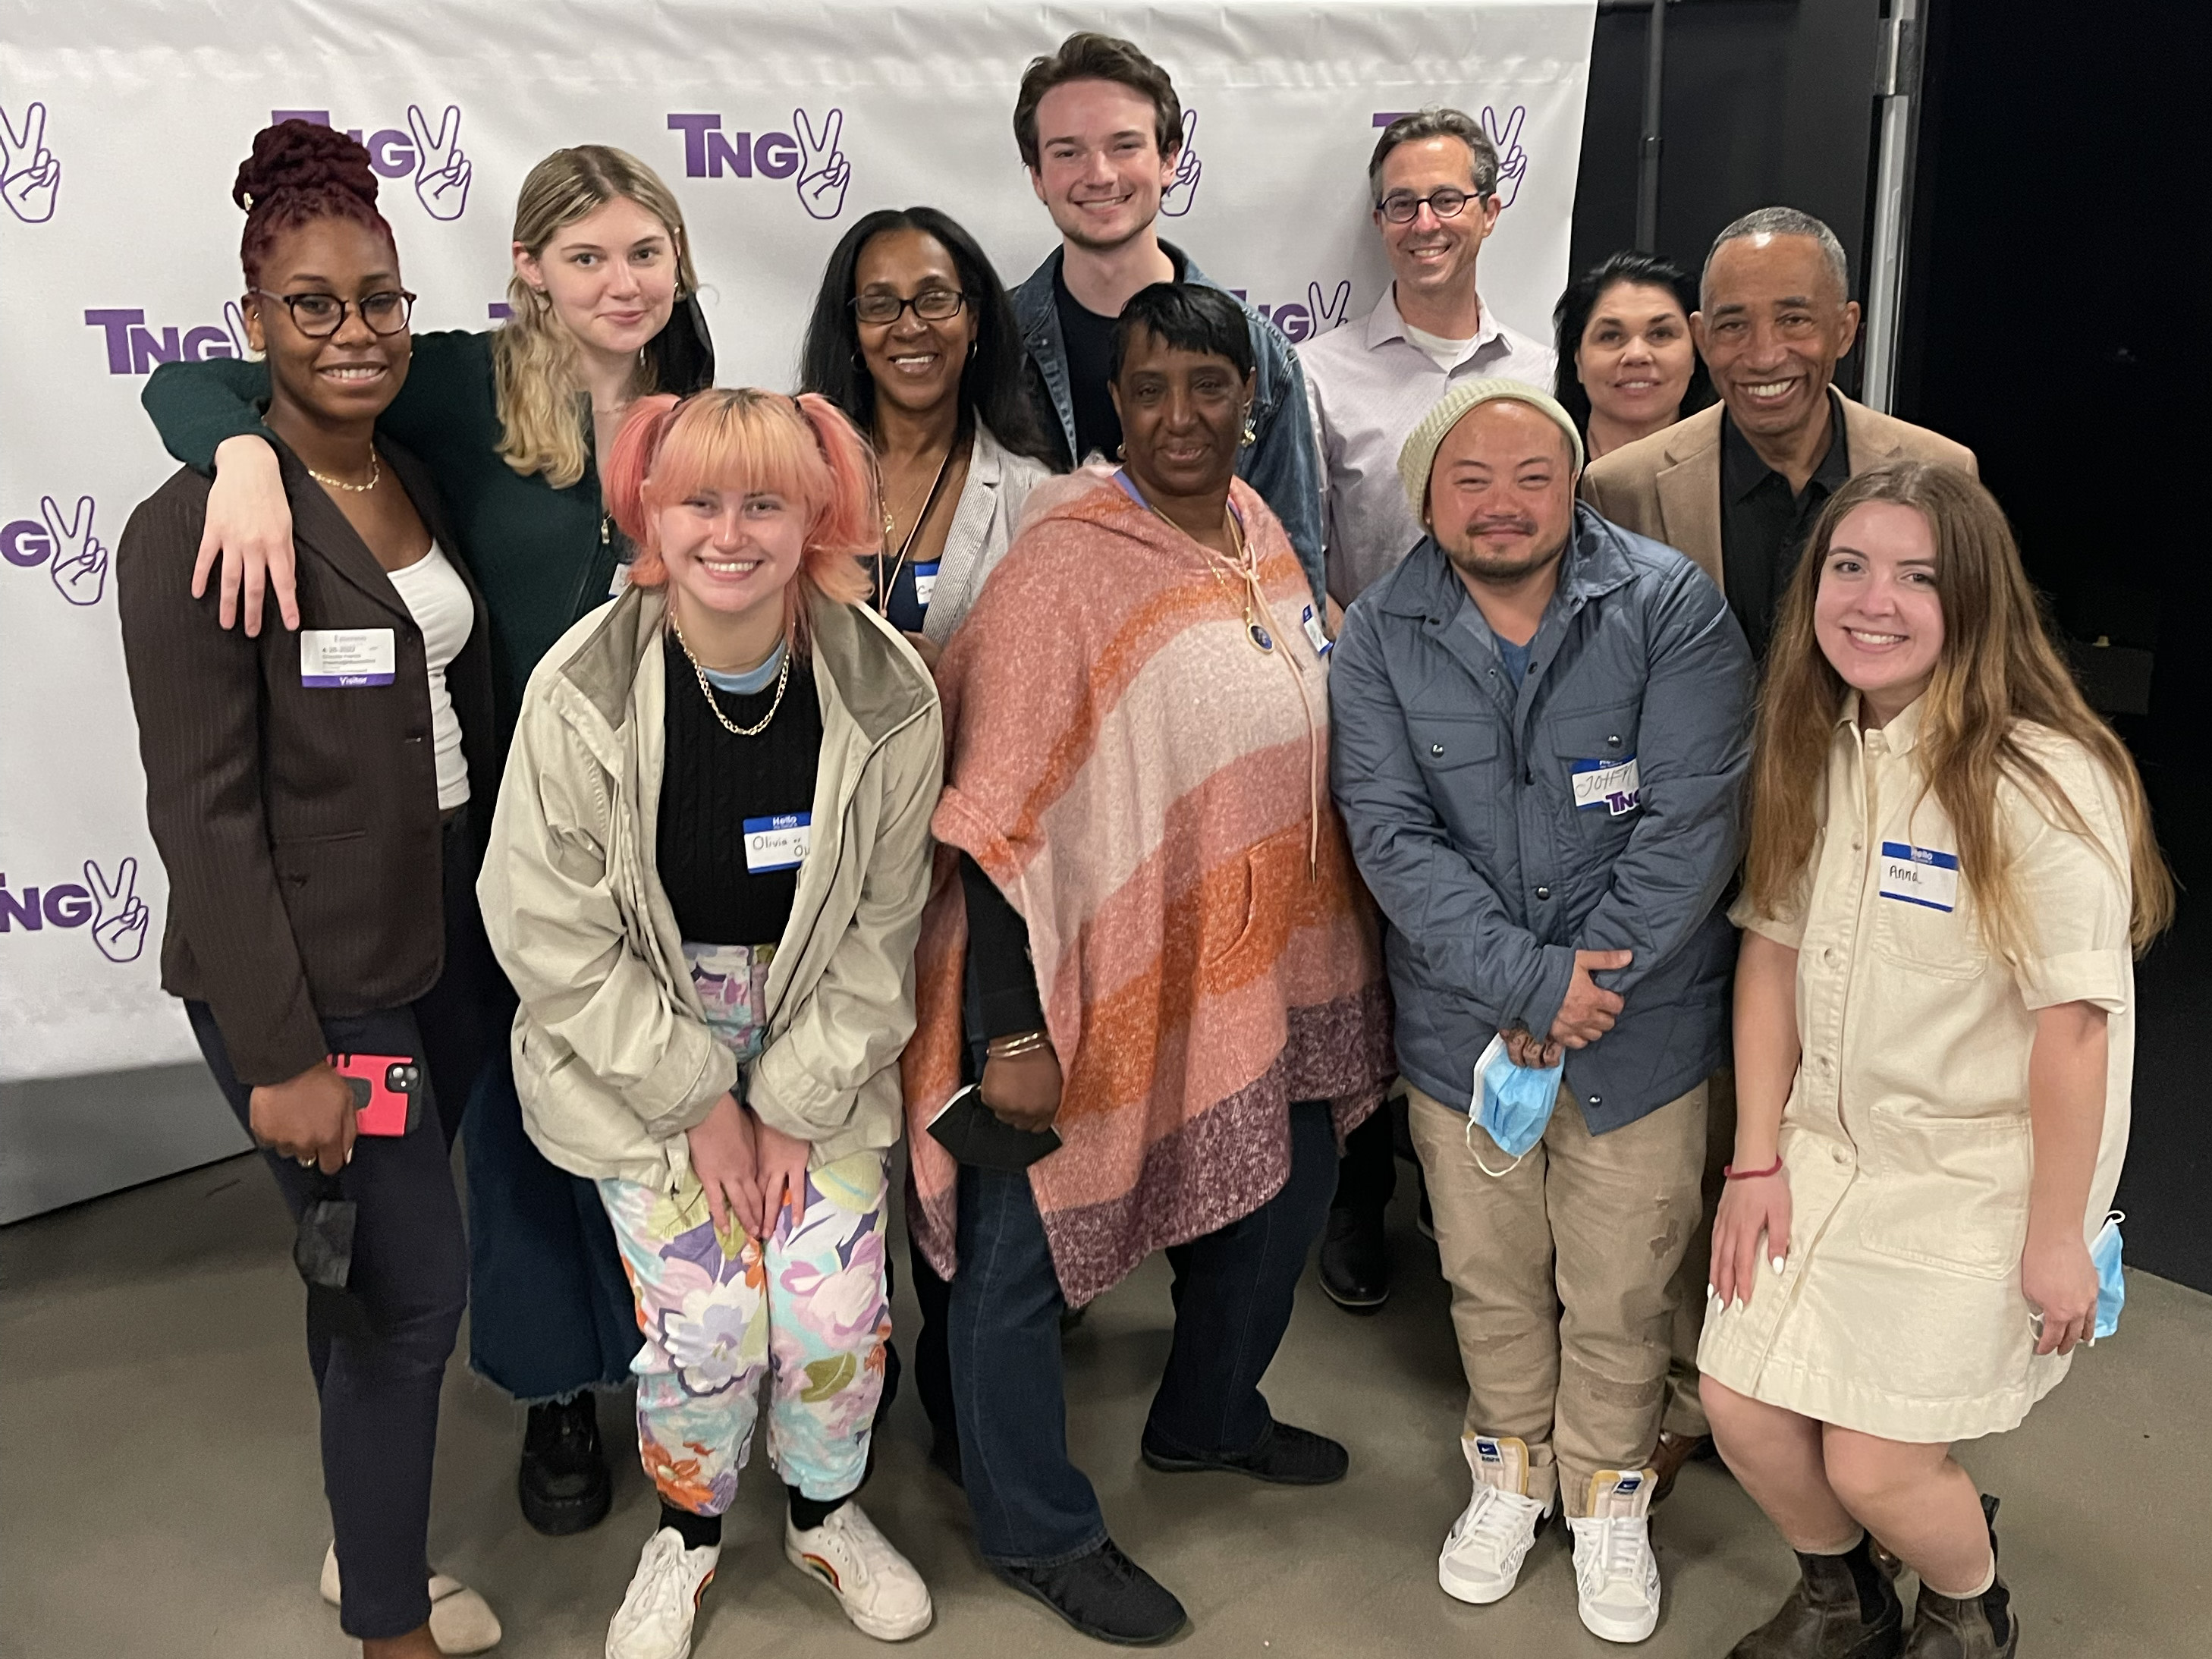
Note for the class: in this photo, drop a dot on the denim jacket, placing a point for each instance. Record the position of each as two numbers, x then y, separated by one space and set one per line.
1460 795
1282 465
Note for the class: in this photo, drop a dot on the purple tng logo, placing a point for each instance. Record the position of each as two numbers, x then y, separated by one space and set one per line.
435 162
79 566
1505 137
118 916
134 348
812 160
1316 313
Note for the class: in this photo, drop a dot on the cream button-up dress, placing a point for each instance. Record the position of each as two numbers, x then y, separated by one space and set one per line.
1906 1137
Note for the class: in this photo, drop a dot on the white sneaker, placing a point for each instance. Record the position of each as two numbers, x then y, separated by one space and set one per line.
878 1587
461 1621
1616 1575
1483 1552
654 1621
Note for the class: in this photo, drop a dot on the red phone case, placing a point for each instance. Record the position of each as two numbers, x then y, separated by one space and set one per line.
386 1088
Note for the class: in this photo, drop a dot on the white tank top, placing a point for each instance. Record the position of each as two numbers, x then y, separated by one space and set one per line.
438 600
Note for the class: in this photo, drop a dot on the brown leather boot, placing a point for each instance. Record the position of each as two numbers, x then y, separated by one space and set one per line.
1843 1607
1967 1627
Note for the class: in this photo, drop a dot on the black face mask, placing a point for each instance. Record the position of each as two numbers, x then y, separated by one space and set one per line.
322 1250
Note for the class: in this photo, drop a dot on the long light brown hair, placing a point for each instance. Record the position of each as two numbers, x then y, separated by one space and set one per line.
533 356
1997 670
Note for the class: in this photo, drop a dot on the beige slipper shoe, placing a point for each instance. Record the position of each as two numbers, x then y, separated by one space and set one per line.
461 1621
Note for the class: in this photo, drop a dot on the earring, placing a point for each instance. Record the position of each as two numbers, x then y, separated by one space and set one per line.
1250 436
1121 452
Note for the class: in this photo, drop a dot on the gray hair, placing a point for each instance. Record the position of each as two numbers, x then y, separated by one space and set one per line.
1781 222
1439 124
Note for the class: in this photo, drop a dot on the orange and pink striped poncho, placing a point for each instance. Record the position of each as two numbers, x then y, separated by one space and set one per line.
1151 793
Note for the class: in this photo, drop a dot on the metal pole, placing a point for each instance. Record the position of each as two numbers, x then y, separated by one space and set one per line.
1647 176
1897 87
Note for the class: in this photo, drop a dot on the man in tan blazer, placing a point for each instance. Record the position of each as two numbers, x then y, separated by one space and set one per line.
1738 487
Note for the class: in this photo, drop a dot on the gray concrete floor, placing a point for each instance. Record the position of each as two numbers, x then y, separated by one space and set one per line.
159 1495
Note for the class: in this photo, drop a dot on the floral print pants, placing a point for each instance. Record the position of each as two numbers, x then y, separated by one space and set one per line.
807 1308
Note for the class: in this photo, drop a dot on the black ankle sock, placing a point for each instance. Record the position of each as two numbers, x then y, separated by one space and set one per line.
808 1513
698 1532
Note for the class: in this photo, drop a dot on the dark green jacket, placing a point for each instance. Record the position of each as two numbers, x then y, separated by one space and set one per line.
541 556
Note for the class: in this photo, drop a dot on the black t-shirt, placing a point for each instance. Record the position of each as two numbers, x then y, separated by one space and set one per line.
714 786
1764 525
1089 338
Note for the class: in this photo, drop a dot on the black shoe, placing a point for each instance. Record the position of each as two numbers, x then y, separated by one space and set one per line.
1105 1595
1355 1262
563 1481
1285 1456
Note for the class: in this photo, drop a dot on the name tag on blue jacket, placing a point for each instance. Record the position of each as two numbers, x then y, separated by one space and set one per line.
778 843
1612 784
1919 876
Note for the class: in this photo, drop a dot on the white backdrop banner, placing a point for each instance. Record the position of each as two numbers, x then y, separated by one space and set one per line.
778 124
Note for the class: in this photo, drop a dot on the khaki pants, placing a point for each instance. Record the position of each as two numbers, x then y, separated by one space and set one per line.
1561 1275
1684 1413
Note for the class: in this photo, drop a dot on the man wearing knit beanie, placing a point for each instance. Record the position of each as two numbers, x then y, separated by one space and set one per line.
1540 730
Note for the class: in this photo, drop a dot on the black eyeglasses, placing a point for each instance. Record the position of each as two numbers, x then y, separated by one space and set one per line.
935 305
318 316
1403 207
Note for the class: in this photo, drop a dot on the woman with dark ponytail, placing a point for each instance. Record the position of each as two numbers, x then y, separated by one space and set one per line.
711 1021
318 798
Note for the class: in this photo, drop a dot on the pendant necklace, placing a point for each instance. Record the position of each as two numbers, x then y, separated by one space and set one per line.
707 686
375 478
885 585
1244 566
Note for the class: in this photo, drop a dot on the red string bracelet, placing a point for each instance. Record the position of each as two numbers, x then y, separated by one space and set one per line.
1730 1172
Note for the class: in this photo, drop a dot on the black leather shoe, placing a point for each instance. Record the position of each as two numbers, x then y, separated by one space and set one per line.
1105 1595
1285 1456
563 1482
1355 1262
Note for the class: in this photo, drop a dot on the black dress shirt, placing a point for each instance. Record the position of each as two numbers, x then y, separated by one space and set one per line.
1764 525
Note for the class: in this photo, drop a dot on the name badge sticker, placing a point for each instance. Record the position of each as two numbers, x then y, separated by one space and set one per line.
924 582
347 657
1613 785
1316 634
1917 875
778 843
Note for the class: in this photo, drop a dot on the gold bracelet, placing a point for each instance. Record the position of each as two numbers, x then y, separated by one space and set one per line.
1019 1043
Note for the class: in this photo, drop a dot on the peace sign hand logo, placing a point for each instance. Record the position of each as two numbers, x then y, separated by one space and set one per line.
1182 190
118 925
30 173
824 172
1512 159
441 169
80 562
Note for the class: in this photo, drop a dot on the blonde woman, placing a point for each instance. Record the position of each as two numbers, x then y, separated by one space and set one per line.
1951 869
603 310
712 1020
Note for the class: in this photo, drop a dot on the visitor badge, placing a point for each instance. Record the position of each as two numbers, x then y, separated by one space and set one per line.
1919 876
1317 633
1612 784
778 843
347 656
924 582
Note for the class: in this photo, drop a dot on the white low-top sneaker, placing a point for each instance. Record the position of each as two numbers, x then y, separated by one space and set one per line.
878 1587
654 1621
461 1621
1483 1552
1616 1575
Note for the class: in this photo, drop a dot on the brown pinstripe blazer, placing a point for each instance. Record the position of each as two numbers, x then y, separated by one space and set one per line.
299 825
1667 486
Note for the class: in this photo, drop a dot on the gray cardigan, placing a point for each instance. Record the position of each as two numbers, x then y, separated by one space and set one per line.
1459 792
983 526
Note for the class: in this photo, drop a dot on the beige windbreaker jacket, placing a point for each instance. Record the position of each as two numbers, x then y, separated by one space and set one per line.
613 1057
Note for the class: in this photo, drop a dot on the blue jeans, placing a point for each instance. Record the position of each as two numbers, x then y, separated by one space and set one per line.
1233 1291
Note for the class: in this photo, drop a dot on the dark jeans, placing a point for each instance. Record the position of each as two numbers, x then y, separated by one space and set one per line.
1233 1291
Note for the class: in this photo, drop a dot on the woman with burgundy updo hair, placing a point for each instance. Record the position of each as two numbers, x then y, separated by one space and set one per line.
317 797
515 424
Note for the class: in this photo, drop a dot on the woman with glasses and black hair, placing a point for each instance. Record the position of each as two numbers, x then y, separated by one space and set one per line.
913 337
1627 367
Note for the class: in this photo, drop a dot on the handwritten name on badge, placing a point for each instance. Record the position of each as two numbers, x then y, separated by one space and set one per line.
1919 876
778 843
924 582
345 657
1612 784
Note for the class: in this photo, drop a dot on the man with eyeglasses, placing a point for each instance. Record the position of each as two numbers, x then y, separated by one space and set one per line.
1433 179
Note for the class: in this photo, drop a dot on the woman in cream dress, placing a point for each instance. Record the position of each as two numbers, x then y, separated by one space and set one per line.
1950 867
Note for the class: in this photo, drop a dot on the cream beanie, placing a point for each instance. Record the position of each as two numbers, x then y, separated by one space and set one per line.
1416 459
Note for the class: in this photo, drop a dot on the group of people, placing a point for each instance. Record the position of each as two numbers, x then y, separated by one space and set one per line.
1137 766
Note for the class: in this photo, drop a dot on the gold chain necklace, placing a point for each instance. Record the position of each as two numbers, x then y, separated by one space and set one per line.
375 478
707 686
885 585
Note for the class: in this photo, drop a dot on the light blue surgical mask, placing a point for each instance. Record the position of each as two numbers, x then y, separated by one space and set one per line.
1512 1104
2112 1288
